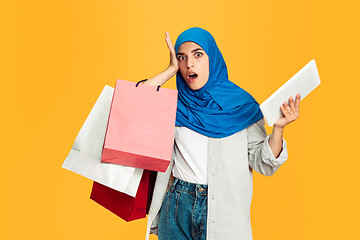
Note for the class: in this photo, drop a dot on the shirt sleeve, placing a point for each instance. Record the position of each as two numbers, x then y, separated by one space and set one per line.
260 155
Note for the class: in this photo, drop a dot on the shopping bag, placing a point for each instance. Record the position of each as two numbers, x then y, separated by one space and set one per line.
140 132
127 207
152 180
84 157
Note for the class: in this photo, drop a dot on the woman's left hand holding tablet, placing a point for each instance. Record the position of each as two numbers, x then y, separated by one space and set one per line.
290 111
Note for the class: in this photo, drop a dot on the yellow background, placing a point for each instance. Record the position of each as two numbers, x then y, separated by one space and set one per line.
56 57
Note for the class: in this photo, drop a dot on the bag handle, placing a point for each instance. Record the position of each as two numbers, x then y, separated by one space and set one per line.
144 81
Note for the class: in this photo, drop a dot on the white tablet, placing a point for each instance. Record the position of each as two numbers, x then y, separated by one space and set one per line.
303 82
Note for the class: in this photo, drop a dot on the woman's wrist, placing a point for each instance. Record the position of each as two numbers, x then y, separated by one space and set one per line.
275 140
162 77
278 128
172 70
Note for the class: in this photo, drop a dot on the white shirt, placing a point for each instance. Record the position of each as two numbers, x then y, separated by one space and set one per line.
190 156
230 164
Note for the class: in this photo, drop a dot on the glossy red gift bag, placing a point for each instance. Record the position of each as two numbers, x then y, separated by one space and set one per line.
127 207
140 130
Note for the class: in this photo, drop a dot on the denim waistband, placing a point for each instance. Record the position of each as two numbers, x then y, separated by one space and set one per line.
198 189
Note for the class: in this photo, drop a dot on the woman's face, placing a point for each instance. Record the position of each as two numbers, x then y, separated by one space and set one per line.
193 65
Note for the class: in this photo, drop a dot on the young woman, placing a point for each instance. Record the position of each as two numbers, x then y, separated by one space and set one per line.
220 138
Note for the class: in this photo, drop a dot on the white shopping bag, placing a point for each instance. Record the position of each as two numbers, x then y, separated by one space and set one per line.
84 157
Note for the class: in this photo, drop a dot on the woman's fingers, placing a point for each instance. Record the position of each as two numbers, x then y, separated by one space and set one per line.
297 102
290 110
173 60
284 111
295 105
292 104
287 107
168 42
167 39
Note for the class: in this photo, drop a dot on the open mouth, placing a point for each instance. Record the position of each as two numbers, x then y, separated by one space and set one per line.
192 77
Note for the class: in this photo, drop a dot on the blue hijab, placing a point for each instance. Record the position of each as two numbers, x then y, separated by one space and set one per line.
220 108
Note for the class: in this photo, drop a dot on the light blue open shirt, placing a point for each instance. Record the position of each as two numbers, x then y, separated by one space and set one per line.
230 179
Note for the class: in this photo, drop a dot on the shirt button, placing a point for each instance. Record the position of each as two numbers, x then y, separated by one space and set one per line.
201 189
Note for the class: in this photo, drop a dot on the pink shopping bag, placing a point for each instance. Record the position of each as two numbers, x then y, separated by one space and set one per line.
140 131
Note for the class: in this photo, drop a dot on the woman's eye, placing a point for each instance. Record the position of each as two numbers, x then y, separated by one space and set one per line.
198 54
181 58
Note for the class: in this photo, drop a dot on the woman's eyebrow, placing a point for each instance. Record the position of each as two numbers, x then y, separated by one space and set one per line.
194 50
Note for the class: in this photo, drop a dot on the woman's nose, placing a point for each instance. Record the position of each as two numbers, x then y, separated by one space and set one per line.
190 63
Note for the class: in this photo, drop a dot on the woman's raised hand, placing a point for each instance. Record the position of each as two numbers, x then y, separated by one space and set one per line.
171 70
173 60
290 111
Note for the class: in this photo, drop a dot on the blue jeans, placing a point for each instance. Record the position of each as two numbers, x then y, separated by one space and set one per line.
183 213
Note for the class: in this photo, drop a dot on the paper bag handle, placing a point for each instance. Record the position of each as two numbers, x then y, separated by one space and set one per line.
144 81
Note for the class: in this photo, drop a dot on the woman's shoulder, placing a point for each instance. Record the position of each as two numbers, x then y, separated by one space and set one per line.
260 122
256 126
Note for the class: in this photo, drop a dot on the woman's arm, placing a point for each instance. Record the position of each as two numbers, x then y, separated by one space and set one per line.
260 155
275 140
162 77
170 71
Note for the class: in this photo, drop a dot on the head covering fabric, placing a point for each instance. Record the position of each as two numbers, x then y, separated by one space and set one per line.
220 108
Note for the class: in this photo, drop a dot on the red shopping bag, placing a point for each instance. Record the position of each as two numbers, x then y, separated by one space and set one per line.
123 205
140 131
